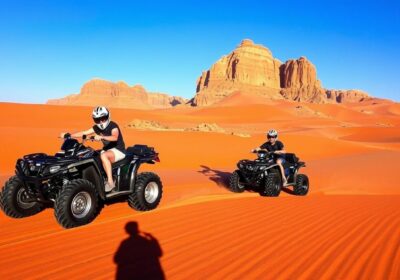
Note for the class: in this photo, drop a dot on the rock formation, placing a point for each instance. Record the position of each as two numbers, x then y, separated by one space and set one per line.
345 96
146 125
207 127
299 83
249 67
101 92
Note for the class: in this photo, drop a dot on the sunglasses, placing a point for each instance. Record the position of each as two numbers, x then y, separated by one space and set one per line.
269 137
101 119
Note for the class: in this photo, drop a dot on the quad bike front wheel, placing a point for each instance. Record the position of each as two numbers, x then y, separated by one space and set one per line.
77 204
272 184
15 201
234 183
147 193
302 185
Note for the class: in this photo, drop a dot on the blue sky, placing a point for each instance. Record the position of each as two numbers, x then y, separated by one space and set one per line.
48 49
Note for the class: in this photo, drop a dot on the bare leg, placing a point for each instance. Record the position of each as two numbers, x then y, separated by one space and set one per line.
279 162
107 159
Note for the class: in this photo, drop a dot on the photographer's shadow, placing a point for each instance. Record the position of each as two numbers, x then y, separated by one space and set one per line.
138 256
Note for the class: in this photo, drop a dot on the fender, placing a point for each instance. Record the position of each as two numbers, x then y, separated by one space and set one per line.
97 181
272 166
133 168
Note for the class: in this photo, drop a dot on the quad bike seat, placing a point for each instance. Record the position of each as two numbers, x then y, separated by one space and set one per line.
126 160
136 150
140 150
291 158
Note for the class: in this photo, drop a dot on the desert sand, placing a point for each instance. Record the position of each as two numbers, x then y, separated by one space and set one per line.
347 227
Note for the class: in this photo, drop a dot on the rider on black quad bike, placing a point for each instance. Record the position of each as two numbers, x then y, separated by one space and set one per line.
269 171
73 181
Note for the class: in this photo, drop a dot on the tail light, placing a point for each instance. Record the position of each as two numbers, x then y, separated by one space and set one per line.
157 159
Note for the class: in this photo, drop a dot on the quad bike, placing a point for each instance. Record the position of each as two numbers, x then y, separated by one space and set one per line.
73 182
264 175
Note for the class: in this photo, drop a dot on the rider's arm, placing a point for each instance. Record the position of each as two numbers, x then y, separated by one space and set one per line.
261 148
113 137
81 133
282 150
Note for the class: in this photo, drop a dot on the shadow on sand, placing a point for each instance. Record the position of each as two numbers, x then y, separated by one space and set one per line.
221 178
138 256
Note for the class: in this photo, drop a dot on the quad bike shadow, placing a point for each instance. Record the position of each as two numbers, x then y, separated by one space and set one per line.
221 178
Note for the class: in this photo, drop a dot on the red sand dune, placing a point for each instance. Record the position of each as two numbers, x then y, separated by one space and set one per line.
347 227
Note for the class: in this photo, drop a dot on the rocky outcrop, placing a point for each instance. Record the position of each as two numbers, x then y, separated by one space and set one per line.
299 82
202 127
146 125
347 96
101 92
249 67
207 127
252 69
298 74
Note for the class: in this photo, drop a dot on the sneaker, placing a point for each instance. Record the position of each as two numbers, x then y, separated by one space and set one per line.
109 187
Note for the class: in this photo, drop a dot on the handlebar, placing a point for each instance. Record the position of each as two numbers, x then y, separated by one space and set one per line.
261 151
84 137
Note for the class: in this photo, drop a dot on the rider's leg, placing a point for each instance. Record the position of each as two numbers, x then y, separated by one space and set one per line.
279 161
107 159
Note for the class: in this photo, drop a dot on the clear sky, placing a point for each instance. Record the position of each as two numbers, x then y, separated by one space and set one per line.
48 49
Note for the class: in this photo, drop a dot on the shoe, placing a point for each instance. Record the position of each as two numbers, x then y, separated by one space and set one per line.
109 187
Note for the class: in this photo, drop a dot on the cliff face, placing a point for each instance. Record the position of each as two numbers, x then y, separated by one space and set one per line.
299 83
100 92
249 67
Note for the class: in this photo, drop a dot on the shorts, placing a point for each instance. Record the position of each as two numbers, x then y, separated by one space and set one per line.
118 155
282 158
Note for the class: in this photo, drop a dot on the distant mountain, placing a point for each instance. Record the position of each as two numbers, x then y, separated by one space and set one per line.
101 92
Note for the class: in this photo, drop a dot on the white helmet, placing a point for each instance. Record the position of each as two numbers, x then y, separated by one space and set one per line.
101 117
272 133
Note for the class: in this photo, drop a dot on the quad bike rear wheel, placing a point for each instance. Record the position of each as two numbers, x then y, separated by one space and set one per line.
15 202
147 193
302 185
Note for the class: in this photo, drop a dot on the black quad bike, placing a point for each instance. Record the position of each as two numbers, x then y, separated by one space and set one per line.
73 182
264 176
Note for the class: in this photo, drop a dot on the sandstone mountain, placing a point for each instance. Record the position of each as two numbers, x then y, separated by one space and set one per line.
252 69
101 92
299 82
249 67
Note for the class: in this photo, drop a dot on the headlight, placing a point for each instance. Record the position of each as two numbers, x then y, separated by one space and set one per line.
250 167
54 168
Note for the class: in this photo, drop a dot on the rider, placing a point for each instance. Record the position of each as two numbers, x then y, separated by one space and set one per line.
276 147
109 133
